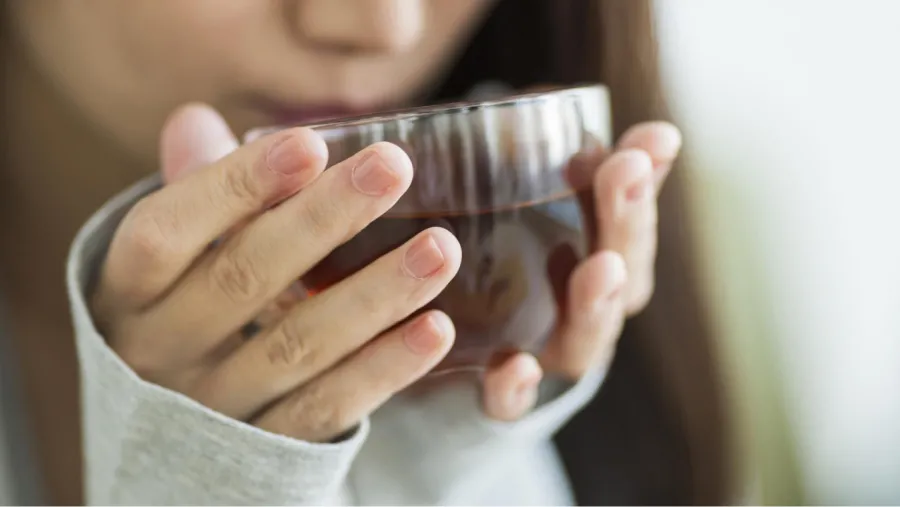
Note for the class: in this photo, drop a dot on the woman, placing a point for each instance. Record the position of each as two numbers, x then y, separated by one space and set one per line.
91 94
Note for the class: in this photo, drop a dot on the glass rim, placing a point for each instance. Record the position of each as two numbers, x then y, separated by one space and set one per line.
446 109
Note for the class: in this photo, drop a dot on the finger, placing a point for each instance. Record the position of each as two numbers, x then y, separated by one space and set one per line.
284 302
593 320
165 232
510 389
627 217
332 325
661 140
235 282
336 402
194 136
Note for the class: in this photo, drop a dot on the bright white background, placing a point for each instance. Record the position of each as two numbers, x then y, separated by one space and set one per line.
792 111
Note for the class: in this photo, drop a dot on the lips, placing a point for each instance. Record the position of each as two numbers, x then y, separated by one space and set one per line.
311 114
279 115
287 114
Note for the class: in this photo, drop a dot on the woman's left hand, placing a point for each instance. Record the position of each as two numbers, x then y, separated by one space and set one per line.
612 284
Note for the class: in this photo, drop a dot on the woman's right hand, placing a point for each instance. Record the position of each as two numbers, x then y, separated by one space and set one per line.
172 306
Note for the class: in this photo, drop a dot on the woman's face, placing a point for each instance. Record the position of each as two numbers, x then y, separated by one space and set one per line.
126 64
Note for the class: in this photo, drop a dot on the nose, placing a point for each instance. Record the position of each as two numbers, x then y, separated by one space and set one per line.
372 26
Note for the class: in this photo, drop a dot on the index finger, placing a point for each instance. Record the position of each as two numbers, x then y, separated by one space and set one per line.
166 231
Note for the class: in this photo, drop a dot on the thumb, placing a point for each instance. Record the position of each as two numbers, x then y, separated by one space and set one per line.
193 136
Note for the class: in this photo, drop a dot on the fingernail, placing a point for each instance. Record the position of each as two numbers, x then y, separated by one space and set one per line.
372 176
424 336
423 259
286 156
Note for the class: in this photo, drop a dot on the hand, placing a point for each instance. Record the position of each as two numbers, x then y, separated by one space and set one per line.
607 287
172 306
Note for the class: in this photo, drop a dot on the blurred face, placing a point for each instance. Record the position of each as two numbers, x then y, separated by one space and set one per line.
126 64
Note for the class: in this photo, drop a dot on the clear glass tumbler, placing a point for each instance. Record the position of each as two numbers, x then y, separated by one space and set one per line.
503 176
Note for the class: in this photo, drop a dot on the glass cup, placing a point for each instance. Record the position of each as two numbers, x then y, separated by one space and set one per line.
504 176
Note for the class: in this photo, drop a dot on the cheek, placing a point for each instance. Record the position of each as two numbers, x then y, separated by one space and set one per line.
126 64
451 22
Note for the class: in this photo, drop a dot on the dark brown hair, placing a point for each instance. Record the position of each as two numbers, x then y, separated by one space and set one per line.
657 433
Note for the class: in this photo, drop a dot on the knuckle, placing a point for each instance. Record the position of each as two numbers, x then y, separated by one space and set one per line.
325 221
320 417
289 346
237 185
238 277
300 411
150 236
338 418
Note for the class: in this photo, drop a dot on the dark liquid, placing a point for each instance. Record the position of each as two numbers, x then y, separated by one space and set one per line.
511 283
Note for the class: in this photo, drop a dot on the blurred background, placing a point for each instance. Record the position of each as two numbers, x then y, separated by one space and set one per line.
791 109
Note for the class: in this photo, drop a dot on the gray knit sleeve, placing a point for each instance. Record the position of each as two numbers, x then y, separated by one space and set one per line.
147 445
